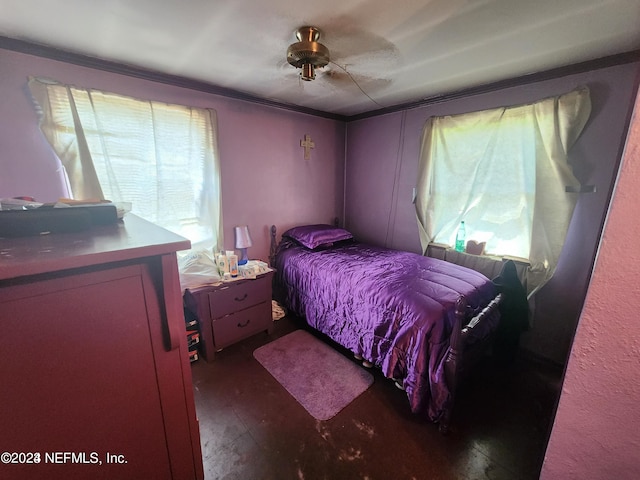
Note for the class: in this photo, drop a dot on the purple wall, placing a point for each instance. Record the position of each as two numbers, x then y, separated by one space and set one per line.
382 164
265 177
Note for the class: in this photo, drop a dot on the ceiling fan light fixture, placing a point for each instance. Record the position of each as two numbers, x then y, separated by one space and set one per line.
308 72
308 53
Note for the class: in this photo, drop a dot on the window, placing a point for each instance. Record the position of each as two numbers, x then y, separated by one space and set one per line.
473 156
504 172
161 158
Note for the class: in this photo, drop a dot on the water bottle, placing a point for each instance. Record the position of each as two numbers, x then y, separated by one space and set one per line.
460 238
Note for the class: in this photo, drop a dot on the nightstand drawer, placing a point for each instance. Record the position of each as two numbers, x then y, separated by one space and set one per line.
236 326
237 296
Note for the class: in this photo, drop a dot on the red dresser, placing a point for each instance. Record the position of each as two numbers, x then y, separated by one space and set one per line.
96 380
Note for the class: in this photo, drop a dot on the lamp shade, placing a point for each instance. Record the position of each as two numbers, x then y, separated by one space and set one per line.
243 239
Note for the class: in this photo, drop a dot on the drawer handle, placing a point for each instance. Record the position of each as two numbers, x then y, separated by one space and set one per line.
241 298
242 325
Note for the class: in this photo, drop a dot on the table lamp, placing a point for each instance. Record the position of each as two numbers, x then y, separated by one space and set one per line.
243 241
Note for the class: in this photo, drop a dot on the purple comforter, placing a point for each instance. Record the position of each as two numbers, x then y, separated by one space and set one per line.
396 309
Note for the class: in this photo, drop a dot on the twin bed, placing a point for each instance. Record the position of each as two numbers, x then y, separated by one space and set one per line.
421 320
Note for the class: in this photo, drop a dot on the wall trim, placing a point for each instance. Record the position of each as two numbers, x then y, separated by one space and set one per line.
52 53
559 72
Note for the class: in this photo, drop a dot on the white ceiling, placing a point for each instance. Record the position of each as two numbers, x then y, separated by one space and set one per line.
398 51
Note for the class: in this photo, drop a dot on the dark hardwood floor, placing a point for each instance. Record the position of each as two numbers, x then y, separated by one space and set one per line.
252 428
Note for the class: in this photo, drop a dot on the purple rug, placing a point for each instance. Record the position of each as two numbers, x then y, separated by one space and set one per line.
321 379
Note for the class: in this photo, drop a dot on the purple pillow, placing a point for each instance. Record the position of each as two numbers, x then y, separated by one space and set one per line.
314 236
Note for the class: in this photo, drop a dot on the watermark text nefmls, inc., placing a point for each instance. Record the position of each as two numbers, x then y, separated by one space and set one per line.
62 458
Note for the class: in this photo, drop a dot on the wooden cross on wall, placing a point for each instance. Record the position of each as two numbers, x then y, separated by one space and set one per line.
307 144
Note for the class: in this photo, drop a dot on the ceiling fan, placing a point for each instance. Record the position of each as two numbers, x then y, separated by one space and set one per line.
307 53
362 53
362 59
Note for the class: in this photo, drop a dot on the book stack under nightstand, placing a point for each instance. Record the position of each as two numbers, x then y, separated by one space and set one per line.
193 334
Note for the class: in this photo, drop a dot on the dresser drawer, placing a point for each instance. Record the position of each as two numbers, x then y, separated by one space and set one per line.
244 323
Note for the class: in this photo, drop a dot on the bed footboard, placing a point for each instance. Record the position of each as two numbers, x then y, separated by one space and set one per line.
461 355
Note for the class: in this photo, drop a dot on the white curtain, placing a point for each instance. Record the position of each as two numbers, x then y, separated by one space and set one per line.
161 158
504 172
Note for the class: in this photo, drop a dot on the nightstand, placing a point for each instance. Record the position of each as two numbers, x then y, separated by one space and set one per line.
231 311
